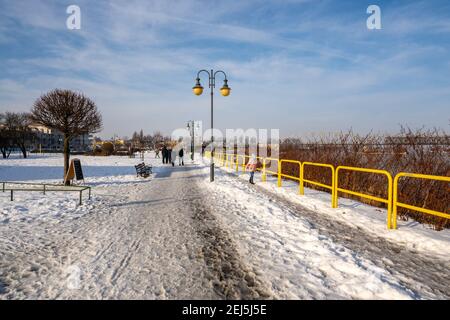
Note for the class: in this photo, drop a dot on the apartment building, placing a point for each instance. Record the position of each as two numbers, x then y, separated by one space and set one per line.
47 139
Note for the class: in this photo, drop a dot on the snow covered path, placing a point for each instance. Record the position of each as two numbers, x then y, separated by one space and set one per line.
177 236
147 240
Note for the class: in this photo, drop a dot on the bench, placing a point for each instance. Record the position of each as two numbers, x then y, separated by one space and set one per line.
143 170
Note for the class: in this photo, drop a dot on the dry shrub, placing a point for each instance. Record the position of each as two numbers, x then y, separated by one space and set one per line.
414 151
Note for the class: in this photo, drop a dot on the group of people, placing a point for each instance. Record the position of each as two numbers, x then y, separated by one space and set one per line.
169 155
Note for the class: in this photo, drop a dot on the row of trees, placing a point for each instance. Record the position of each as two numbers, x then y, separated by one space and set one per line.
15 132
140 140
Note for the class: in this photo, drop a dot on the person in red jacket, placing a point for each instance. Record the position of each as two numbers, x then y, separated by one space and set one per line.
251 167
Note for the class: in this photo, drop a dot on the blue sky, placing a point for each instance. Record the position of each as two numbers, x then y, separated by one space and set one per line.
303 66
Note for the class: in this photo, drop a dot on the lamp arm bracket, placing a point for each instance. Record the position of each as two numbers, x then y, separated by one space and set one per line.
220 71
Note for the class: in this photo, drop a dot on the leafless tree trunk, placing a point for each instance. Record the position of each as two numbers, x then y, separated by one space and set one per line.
66 152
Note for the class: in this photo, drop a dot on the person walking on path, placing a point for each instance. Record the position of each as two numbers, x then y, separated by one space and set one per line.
203 149
169 155
251 167
164 154
157 153
180 157
172 156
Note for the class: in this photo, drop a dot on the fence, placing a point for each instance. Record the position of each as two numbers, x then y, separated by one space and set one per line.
329 187
391 200
387 201
42 187
397 204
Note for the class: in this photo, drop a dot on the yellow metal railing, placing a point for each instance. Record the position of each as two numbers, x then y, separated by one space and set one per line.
282 175
397 204
388 201
231 160
329 187
265 171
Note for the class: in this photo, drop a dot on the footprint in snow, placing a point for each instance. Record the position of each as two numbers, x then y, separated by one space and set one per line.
21 208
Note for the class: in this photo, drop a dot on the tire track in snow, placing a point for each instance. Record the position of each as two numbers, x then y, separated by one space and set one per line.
125 261
231 278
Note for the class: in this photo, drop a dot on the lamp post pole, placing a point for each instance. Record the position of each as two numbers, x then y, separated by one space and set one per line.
191 127
225 91
211 168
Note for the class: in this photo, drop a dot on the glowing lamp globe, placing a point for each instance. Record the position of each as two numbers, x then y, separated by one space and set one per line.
225 90
198 89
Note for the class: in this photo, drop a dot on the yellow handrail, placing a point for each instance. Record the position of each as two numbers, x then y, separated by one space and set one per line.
232 160
388 201
397 204
280 174
303 180
265 171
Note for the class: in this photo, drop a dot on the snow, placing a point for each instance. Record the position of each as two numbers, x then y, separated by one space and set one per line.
100 172
414 235
178 236
293 257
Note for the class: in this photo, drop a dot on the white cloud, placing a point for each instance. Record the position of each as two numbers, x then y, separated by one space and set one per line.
139 56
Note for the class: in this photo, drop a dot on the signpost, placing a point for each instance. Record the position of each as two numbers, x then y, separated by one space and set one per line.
75 171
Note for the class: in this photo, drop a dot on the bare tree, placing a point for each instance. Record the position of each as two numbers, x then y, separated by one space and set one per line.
17 131
69 112
5 137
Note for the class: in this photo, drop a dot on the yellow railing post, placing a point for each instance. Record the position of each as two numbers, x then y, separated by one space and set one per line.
333 188
264 170
279 175
389 205
301 182
393 221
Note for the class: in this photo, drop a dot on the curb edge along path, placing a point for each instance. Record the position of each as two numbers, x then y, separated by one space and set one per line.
425 276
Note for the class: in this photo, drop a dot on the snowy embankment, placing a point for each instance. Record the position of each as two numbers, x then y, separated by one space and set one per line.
299 259
411 234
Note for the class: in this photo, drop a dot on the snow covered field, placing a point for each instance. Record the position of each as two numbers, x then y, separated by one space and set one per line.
178 236
99 172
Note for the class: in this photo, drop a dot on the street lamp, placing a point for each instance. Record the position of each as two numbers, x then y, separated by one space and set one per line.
191 128
225 91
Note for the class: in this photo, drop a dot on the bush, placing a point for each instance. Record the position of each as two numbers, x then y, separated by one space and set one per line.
421 151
